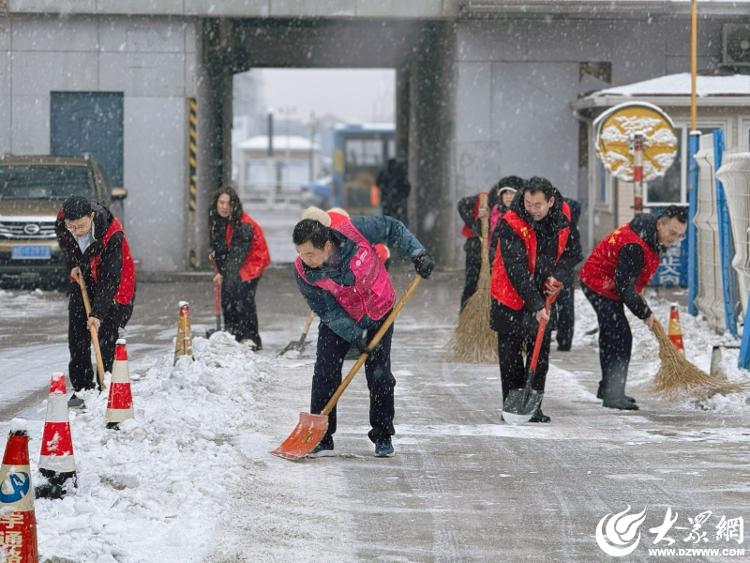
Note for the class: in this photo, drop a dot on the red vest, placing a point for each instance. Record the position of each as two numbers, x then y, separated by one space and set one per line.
598 271
258 257
372 293
501 288
467 231
126 289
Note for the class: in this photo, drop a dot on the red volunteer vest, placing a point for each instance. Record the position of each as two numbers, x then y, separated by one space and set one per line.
598 271
372 293
126 289
258 258
501 288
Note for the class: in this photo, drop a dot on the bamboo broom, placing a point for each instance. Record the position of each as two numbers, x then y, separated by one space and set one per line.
678 378
473 340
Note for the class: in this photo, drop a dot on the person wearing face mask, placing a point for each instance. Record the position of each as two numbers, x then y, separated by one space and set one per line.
532 246
613 277
239 249
339 274
96 249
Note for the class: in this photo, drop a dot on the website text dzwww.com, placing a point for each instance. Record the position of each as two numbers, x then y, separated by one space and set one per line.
696 552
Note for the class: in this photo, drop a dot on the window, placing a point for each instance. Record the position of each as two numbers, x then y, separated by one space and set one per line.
669 188
672 187
603 185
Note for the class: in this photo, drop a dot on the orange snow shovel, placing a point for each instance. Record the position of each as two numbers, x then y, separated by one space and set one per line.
94 334
312 427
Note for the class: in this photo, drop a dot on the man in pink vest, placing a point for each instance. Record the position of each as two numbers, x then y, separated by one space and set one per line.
614 276
343 281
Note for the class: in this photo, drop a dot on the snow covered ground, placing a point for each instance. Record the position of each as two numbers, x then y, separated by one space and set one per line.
190 479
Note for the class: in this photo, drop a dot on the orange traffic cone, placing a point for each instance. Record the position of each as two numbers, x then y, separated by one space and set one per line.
56 460
184 342
673 329
17 518
120 403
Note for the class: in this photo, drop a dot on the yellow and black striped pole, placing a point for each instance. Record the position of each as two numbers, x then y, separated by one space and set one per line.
192 196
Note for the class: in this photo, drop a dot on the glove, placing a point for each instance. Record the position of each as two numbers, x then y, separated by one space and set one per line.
552 286
423 264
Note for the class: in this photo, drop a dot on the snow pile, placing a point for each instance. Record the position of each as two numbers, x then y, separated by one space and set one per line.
17 304
153 491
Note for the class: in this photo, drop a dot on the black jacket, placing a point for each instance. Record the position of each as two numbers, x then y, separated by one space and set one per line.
466 211
229 258
102 293
630 264
531 288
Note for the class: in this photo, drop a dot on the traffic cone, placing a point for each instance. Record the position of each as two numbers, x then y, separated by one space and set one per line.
184 342
56 460
120 402
17 519
673 329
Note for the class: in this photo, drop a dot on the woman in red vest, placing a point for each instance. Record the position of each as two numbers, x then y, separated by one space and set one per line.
614 276
472 214
94 245
241 254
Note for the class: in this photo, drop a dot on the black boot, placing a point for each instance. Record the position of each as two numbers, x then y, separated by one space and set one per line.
539 416
621 403
626 397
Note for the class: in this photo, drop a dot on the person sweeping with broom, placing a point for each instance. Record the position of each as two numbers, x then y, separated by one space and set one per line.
613 277
531 249
96 249
343 281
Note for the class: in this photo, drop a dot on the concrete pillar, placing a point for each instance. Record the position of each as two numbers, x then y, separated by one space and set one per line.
214 137
430 132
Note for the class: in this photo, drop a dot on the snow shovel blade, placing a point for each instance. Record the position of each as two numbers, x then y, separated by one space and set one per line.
521 405
308 433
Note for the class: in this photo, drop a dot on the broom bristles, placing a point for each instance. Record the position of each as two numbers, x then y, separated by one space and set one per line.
473 340
678 378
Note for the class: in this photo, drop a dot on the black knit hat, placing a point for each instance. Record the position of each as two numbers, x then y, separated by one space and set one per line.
76 207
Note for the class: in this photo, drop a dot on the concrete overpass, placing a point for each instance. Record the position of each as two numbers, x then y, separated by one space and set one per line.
484 88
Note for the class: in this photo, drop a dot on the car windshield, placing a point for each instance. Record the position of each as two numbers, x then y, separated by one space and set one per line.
57 181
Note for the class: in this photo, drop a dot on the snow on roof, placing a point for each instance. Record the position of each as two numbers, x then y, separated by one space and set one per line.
280 142
679 85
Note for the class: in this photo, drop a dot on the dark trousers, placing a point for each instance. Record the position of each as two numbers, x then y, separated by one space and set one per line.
511 348
380 381
565 312
473 248
80 369
240 312
615 343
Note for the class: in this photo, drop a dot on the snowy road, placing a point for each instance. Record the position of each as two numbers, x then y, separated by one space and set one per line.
462 486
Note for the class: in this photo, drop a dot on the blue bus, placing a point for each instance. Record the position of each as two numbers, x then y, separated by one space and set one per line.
360 152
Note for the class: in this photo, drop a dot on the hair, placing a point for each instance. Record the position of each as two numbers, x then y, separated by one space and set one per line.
538 184
675 212
76 207
310 230
235 215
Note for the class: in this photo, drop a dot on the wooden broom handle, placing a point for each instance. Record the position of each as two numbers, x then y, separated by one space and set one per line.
92 330
308 323
372 344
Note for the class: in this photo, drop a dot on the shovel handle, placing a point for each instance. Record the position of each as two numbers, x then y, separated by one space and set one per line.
308 324
92 330
540 333
372 344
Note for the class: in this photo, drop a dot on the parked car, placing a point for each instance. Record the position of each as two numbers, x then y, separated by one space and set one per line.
32 189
